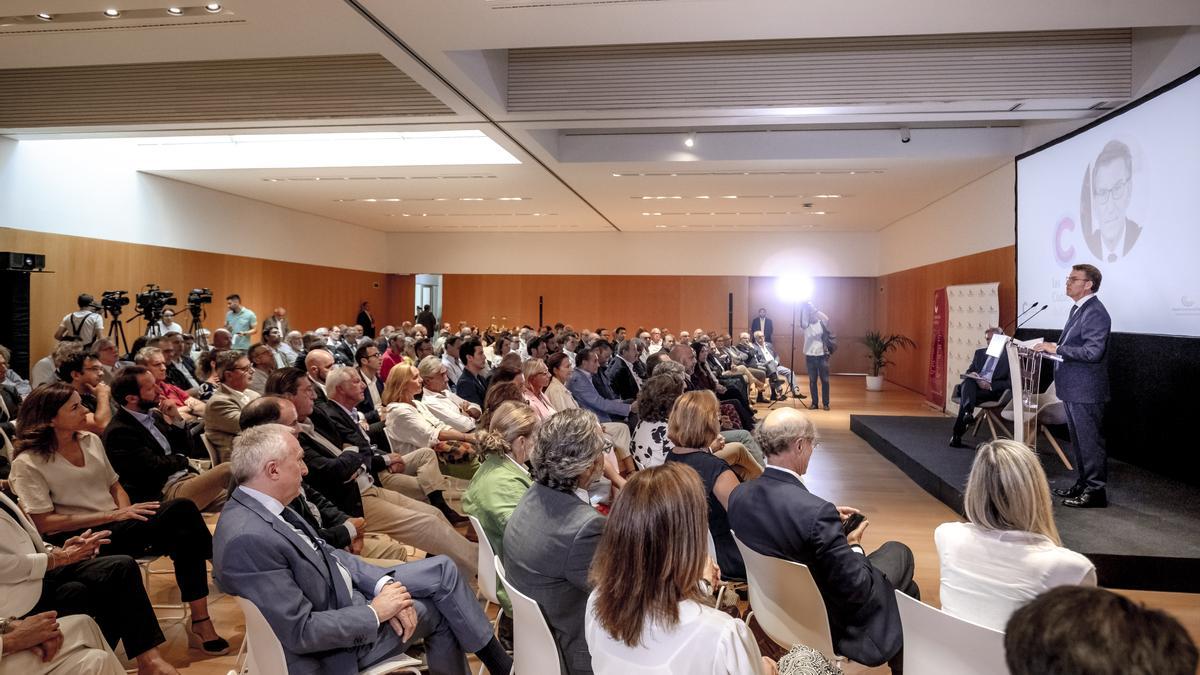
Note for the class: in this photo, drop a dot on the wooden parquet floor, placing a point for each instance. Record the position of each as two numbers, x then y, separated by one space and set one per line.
844 470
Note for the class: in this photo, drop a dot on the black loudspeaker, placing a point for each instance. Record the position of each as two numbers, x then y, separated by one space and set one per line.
24 262
732 337
14 318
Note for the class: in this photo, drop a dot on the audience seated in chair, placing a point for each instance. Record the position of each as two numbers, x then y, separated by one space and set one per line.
68 487
410 424
653 578
82 371
455 411
221 412
974 391
552 535
777 516
332 612
1009 551
1075 629
472 384
148 445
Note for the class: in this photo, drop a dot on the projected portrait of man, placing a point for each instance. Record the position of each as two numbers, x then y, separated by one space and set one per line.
1109 234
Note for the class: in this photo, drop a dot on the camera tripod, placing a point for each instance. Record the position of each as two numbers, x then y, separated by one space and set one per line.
116 330
196 327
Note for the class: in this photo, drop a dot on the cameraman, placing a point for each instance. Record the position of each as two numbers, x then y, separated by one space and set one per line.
240 321
83 325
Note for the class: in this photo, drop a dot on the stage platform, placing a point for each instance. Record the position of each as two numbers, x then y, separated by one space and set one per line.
1147 539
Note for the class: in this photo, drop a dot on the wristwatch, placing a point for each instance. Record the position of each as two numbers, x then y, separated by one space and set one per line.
6 625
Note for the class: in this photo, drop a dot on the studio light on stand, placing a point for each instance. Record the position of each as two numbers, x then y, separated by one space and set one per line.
793 289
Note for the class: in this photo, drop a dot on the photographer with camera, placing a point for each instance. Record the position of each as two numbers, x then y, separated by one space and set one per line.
84 324
241 322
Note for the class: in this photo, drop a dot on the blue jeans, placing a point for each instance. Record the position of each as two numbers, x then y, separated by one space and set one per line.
818 367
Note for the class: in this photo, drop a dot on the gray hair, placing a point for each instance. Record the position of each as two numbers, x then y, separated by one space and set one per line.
673 368
145 354
256 446
624 345
781 429
564 447
430 366
339 375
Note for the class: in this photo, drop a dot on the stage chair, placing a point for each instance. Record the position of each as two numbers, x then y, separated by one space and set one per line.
935 642
264 655
534 649
1050 411
787 602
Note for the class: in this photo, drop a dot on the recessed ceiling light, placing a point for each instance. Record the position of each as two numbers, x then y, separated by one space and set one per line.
112 13
212 7
661 227
511 199
690 141
175 11
45 17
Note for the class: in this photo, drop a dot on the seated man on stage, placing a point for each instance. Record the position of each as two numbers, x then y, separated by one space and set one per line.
983 387
332 612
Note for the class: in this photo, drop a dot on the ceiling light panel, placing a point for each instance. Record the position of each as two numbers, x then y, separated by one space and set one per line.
807 172
280 151
680 197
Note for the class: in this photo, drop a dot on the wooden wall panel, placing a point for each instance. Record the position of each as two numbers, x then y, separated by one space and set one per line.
849 302
592 301
313 295
905 305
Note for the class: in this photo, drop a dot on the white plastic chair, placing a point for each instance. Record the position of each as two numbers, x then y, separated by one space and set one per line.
534 649
264 655
214 458
787 602
487 568
1050 410
936 643
175 612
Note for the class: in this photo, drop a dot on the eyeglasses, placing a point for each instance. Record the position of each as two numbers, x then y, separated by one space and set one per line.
1117 191
246 369
1076 280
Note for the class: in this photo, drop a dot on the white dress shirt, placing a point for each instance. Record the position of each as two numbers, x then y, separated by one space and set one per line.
706 641
454 367
988 574
445 406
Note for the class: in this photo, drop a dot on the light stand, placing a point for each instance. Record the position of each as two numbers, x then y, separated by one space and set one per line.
793 289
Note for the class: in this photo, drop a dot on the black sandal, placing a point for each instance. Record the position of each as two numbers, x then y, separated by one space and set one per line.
217 647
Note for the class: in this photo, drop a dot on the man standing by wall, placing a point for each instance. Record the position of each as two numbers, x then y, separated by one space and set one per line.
1081 383
241 322
762 323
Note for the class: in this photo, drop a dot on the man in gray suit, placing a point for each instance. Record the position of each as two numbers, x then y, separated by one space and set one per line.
554 531
1081 383
332 612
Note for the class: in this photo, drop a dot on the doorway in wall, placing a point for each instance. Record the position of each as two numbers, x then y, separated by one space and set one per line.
429 292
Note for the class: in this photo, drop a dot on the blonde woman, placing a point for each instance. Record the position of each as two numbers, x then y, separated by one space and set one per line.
694 429
646 613
1009 552
537 378
410 425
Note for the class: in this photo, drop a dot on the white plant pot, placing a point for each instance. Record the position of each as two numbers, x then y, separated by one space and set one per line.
874 383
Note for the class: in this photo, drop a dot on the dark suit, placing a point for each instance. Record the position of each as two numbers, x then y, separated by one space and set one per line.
367 322
367 406
332 420
138 458
427 319
970 392
765 325
777 516
333 474
621 378
323 516
1081 383
549 543
1095 242
291 574
471 387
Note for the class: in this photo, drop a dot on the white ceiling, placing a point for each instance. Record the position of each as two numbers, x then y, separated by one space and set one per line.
776 161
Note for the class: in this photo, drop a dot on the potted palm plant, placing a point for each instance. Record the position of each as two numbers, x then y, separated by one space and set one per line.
878 346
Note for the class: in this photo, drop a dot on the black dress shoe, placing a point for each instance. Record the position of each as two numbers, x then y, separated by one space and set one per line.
1073 491
956 442
1090 498
812 407
826 406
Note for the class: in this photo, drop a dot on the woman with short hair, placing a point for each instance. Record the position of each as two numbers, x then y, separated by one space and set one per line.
695 433
68 487
651 574
1009 551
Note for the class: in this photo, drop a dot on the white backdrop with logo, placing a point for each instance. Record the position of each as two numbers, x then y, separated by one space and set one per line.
971 310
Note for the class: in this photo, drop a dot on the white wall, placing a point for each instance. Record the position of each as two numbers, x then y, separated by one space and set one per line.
851 254
92 189
977 217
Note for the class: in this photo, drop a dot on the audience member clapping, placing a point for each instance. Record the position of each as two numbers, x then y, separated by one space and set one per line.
652 574
1009 551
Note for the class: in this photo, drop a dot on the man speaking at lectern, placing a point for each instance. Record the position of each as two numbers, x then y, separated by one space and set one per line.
1081 382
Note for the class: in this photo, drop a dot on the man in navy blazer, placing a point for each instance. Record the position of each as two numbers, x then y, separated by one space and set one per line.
777 516
331 612
1081 383
973 391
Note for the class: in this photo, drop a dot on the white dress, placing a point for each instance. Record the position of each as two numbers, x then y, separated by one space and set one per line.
704 642
989 574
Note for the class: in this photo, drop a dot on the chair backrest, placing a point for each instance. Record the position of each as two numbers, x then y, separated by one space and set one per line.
935 642
264 654
487 563
213 456
1050 409
787 602
534 649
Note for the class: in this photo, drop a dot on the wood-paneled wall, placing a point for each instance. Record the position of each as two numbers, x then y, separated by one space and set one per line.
904 304
668 302
313 295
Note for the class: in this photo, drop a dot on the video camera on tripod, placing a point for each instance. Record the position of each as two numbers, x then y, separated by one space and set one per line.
113 301
150 305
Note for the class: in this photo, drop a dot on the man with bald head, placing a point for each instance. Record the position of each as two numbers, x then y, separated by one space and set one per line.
222 339
777 516
317 364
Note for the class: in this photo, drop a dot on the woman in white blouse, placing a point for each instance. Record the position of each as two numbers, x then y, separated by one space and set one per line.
651 574
1009 552
537 378
410 425
556 393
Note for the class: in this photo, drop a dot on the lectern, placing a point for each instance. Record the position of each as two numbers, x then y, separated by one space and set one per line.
1026 388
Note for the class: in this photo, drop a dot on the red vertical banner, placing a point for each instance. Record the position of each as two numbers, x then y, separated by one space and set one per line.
936 393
